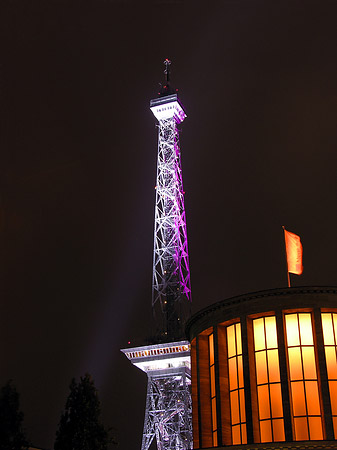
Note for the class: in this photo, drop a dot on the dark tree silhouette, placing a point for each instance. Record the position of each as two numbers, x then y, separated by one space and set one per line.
12 436
80 427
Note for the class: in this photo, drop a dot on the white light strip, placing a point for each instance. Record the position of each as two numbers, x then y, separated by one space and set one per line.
168 110
162 364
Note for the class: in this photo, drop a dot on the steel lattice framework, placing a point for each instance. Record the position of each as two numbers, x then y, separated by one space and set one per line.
171 287
168 414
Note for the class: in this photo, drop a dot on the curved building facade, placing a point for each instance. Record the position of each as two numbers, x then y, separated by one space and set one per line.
264 370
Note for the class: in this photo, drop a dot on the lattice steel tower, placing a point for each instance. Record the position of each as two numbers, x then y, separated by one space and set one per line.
168 414
171 287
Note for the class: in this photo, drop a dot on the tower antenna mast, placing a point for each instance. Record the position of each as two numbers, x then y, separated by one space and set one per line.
168 413
167 63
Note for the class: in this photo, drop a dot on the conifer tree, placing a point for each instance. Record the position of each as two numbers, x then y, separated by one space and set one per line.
12 436
80 427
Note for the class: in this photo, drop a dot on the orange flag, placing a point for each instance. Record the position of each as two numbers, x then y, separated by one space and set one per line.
294 252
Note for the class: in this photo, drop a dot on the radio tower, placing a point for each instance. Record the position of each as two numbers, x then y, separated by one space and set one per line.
168 413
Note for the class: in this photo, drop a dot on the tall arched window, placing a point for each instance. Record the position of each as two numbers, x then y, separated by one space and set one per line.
213 391
268 385
329 325
236 385
304 391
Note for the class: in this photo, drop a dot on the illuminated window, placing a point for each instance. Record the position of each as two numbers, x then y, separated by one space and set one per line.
329 324
236 385
212 386
268 380
306 410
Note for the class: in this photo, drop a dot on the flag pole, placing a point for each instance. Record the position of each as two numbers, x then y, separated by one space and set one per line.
285 245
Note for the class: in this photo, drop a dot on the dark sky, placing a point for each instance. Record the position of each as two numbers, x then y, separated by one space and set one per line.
258 80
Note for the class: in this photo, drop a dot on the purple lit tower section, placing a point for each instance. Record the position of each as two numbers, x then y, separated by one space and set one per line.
168 413
171 287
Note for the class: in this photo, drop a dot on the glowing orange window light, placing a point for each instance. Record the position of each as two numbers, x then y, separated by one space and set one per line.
329 325
304 391
269 396
236 385
213 389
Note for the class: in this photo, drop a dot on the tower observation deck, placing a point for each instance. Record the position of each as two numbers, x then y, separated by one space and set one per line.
168 414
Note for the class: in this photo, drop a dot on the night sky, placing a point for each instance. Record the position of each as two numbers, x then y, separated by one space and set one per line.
78 143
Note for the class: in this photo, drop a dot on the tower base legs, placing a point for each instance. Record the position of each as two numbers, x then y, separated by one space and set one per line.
168 415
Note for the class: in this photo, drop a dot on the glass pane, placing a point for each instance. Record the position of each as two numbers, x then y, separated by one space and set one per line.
335 426
276 400
215 439
334 319
333 396
242 405
236 435
244 433
297 394
306 329
212 382
273 366
301 429
309 363
214 424
265 431
271 334
238 339
331 362
263 399
240 371
293 337
259 336
235 407
311 388
211 349
278 430
315 428
233 377
327 329
231 341
261 367
295 364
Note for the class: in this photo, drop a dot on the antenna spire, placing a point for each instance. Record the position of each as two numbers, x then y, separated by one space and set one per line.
167 64
167 89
